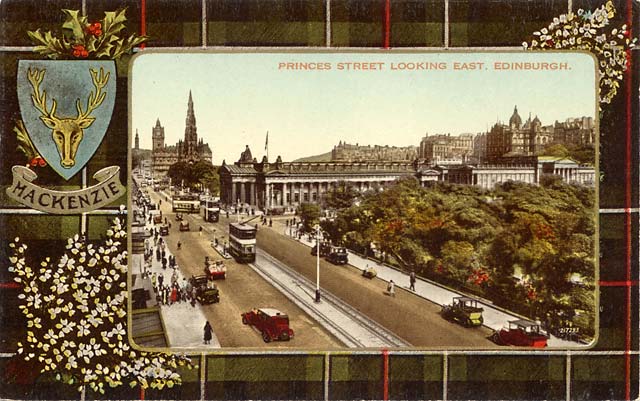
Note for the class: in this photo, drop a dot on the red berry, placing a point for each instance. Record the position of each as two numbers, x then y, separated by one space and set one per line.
97 32
33 162
41 162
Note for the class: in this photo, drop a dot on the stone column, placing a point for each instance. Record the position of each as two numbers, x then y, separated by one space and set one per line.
284 194
252 194
243 194
267 201
233 193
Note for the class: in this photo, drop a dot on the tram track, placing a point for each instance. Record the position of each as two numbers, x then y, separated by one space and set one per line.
370 333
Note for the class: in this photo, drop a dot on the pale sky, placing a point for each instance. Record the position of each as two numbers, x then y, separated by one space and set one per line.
238 97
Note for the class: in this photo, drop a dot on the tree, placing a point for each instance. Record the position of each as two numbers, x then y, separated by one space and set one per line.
341 197
309 216
557 150
197 176
76 311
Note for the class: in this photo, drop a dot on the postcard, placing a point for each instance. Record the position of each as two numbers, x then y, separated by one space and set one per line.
336 199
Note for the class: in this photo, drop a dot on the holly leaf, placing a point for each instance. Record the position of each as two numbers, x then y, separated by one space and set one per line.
113 22
24 142
125 45
47 44
76 24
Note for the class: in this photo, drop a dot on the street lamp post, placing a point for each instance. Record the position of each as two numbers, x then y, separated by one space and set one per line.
318 263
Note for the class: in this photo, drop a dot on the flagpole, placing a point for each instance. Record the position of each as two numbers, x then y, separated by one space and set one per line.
266 145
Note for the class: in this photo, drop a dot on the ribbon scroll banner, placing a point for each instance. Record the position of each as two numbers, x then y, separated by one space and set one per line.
105 192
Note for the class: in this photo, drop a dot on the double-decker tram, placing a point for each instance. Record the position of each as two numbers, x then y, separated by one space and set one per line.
211 211
185 203
242 242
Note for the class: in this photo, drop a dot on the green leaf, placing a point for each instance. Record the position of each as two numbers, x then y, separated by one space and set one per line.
76 24
113 22
48 45
24 142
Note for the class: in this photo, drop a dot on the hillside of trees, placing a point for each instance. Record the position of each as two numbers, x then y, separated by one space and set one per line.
525 247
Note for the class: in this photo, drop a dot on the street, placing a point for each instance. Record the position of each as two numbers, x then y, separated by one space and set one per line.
241 291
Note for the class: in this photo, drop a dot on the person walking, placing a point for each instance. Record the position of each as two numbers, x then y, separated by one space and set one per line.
412 281
208 333
174 295
391 288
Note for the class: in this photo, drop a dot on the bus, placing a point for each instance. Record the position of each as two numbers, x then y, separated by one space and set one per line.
242 242
185 203
211 211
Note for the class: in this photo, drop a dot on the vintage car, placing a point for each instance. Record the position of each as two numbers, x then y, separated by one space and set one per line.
271 323
206 292
521 333
463 310
325 248
178 216
184 225
164 229
369 272
215 270
157 219
338 256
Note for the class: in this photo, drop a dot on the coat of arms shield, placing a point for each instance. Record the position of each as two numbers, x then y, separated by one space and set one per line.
66 107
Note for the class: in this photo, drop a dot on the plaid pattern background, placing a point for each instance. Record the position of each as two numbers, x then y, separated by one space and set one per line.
600 373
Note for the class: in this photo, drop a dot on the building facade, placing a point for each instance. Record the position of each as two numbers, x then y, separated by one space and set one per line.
283 185
446 148
350 153
531 137
189 150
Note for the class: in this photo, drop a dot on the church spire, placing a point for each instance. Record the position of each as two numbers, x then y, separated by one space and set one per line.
191 117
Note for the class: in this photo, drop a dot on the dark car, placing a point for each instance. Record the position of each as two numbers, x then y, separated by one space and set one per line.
465 311
206 292
338 256
178 216
164 229
271 323
184 225
157 219
524 333
325 248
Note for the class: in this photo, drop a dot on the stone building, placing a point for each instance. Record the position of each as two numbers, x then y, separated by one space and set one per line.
190 149
531 137
284 185
446 148
350 153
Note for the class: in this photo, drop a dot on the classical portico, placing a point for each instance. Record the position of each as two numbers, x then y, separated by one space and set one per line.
283 186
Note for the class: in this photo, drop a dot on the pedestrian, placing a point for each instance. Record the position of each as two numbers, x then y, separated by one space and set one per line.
200 231
153 280
391 288
208 331
174 295
412 281
174 278
194 296
270 223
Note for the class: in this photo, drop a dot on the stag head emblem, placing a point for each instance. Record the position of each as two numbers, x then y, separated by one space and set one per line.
67 132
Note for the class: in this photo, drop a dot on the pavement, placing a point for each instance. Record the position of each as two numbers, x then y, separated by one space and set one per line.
184 323
494 318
